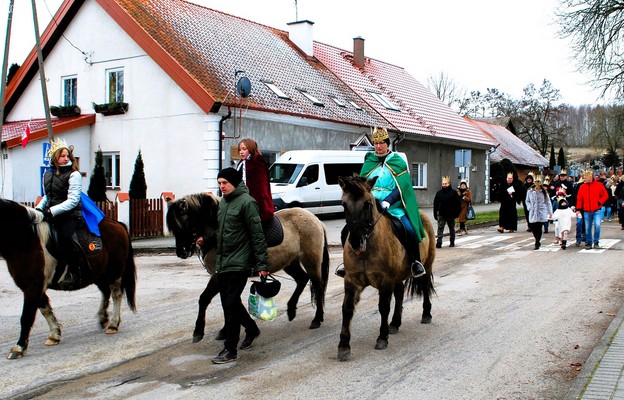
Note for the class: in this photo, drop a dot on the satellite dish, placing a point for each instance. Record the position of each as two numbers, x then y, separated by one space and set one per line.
243 86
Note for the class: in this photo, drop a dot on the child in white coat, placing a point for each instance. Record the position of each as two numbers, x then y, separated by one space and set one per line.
564 216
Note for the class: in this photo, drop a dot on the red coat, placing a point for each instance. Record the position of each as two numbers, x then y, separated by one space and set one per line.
256 175
591 196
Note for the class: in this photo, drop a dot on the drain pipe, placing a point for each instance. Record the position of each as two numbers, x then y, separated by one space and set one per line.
223 118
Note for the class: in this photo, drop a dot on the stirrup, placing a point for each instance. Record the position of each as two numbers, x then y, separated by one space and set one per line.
340 271
417 269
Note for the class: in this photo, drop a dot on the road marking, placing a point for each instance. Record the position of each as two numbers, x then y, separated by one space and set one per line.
604 245
517 245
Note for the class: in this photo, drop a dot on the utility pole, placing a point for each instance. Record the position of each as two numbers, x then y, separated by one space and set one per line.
5 62
44 90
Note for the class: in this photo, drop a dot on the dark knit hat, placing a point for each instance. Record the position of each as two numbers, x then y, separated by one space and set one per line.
231 175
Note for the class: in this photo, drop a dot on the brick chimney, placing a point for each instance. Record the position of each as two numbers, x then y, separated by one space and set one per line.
300 33
358 51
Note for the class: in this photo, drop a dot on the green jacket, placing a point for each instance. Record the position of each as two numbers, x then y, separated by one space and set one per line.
394 168
240 240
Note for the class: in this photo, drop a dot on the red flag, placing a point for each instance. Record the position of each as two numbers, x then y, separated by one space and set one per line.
26 136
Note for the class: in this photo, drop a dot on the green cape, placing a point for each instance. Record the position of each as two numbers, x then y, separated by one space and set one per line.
401 176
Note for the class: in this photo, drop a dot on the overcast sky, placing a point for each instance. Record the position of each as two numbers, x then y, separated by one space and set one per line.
479 44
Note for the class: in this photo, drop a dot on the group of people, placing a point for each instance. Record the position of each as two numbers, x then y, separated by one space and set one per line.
561 201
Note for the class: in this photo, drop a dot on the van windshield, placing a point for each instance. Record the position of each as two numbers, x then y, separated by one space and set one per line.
284 173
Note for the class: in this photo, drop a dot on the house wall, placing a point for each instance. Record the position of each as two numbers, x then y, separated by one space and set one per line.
177 140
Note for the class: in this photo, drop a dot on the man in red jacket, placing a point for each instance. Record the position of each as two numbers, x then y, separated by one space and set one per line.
589 200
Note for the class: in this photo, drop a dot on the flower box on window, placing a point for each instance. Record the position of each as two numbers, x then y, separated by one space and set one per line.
65 111
114 108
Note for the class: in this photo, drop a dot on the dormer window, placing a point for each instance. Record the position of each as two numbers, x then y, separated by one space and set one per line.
313 99
338 101
354 104
384 101
278 92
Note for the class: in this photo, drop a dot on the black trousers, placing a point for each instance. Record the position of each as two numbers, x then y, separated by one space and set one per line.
231 286
536 229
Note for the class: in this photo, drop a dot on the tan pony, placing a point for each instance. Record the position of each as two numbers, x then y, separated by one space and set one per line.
373 256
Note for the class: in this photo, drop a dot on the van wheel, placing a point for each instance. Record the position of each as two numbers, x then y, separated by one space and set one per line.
293 205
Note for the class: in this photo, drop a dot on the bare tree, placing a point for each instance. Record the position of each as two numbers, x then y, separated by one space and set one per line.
607 128
445 89
596 30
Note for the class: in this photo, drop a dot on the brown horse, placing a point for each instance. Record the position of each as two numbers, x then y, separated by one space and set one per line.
304 245
24 241
373 256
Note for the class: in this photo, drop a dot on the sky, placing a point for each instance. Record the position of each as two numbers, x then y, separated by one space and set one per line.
478 44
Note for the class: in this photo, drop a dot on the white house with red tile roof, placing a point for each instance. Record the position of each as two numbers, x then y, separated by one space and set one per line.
177 64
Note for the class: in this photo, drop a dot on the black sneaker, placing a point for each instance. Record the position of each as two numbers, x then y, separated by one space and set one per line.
224 357
596 245
438 245
588 246
248 341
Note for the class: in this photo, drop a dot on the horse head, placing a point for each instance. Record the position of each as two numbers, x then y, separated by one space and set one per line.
189 218
360 209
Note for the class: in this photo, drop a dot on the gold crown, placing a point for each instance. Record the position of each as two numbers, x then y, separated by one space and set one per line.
446 179
588 173
563 172
510 175
57 145
379 134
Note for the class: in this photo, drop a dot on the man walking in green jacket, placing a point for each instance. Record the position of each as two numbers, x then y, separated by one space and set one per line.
241 249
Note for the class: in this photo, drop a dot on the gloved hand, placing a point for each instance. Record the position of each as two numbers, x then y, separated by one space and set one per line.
47 215
385 205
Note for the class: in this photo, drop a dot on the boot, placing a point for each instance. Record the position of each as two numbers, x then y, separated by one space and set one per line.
413 249
564 244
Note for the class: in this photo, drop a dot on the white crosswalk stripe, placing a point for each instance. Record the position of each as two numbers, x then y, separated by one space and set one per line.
478 241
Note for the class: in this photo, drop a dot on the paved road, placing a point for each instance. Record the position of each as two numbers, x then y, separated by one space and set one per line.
509 322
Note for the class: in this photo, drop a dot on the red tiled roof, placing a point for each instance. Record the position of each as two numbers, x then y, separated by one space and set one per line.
211 46
422 114
511 147
12 131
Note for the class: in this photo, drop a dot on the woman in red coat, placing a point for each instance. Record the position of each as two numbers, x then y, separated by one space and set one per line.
255 172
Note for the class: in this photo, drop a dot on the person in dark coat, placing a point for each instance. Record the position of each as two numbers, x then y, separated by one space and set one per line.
241 249
528 184
255 171
465 196
509 195
446 207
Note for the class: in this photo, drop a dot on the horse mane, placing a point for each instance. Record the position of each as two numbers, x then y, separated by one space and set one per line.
355 185
18 223
197 206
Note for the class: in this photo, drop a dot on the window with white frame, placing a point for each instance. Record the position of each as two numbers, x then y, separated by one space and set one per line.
111 169
115 85
419 175
70 90
384 101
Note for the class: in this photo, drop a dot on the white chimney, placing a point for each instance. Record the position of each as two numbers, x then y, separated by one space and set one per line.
300 33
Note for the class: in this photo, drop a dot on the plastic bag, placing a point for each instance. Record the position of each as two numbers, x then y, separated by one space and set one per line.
470 215
261 307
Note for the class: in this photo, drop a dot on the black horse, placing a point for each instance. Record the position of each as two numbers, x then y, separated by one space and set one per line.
24 238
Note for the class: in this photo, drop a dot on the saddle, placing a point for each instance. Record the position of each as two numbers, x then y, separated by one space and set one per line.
273 232
399 231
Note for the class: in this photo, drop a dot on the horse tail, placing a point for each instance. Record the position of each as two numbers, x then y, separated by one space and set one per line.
420 286
128 278
324 272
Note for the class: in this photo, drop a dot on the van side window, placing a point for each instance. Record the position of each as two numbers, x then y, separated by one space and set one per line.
310 175
333 171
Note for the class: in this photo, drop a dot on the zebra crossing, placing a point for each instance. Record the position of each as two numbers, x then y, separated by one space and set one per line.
511 242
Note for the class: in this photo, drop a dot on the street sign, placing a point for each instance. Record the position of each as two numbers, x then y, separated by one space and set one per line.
46 157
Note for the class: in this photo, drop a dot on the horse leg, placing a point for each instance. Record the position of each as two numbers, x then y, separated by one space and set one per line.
399 292
301 279
427 284
104 303
55 328
351 298
204 300
29 310
117 294
385 298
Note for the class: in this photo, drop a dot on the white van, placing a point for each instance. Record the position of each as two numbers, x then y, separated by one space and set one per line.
309 178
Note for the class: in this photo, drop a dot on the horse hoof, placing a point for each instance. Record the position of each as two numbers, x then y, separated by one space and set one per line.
16 353
393 330
291 314
52 342
426 320
343 354
197 338
103 324
111 331
315 325
381 345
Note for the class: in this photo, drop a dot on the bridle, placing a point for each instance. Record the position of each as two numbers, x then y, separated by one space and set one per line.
368 227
